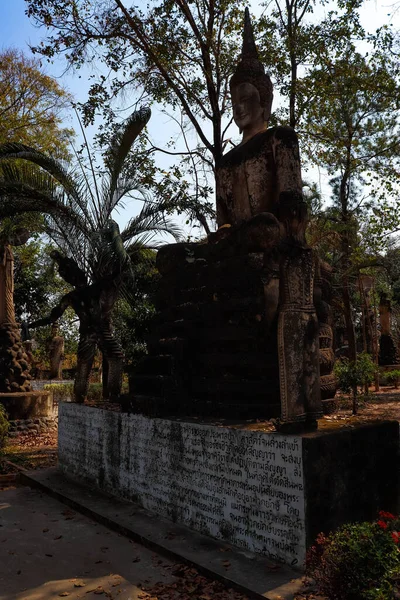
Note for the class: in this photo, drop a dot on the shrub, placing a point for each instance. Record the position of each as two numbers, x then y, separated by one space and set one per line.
393 377
61 391
357 373
65 391
4 425
95 392
359 561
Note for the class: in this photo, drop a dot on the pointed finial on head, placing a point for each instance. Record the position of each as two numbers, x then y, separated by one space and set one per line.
249 49
251 70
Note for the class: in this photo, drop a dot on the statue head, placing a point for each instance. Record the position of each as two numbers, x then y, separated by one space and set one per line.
251 87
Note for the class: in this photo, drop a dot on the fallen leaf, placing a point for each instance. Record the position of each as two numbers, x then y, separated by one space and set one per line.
99 590
63 594
45 530
273 567
58 537
179 571
79 584
137 559
226 563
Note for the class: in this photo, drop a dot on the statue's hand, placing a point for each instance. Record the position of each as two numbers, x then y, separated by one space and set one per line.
293 213
260 233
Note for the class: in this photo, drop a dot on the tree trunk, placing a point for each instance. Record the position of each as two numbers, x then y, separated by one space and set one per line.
351 334
375 341
364 311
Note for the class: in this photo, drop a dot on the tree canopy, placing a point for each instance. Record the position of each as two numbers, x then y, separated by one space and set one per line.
180 53
32 105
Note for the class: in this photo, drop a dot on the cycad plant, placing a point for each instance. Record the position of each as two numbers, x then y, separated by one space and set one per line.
93 256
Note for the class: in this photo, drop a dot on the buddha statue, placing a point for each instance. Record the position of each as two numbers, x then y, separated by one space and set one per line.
261 174
237 332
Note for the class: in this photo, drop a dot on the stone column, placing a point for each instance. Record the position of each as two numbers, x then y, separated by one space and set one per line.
14 365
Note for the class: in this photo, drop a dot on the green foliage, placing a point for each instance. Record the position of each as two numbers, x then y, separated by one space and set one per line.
358 562
132 319
61 391
37 287
64 391
392 376
32 105
350 374
36 283
4 425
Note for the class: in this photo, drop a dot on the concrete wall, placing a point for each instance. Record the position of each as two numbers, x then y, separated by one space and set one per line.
244 487
265 492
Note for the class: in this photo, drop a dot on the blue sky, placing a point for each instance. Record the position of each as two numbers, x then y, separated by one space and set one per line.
18 31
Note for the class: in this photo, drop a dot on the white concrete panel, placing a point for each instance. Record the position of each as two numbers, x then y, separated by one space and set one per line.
244 487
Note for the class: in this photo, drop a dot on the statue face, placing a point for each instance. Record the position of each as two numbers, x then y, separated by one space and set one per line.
247 110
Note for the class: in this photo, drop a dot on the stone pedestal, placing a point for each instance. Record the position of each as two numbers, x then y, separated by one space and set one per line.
264 492
213 345
26 405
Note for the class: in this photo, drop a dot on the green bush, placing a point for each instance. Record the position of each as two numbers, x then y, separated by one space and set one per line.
95 392
61 391
359 561
351 374
64 391
392 377
4 425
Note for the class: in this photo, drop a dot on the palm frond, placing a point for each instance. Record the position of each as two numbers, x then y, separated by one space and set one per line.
51 166
69 240
119 148
151 219
24 188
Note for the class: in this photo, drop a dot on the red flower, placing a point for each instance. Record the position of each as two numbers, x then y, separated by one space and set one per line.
382 524
386 515
396 536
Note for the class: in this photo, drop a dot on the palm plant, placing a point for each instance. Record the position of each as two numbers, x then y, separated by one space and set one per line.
93 256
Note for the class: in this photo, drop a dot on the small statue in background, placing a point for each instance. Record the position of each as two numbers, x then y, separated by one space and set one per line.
56 352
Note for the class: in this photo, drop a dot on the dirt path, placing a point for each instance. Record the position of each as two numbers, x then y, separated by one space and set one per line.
49 551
